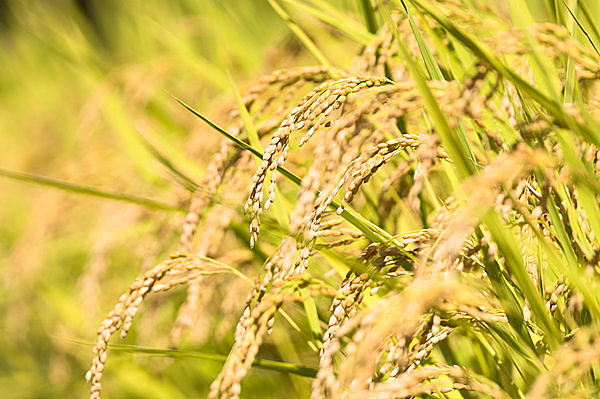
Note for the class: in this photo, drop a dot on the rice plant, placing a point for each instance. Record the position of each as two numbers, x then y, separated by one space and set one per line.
421 221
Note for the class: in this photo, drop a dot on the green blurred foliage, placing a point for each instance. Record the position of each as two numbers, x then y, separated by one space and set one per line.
80 83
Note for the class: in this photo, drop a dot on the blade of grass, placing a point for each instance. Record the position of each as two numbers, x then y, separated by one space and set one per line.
595 30
185 181
514 263
164 143
237 141
292 323
430 63
245 115
368 14
500 334
509 303
300 34
544 73
453 65
273 365
310 307
78 189
561 233
334 18
441 125
436 74
573 273
584 181
574 218
571 77
123 126
286 350
521 358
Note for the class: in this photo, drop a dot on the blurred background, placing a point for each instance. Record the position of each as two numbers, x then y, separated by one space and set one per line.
85 98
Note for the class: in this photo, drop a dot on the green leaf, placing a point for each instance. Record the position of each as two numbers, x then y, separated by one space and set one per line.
544 73
78 189
310 307
330 15
368 15
592 23
588 287
442 127
185 181
282 367
571 77
430 63
297 30
514 263
585 181
436 74
245 115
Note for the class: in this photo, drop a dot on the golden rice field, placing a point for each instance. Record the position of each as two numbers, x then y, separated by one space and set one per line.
300 199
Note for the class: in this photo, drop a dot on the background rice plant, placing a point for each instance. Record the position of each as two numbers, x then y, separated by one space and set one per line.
423 221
